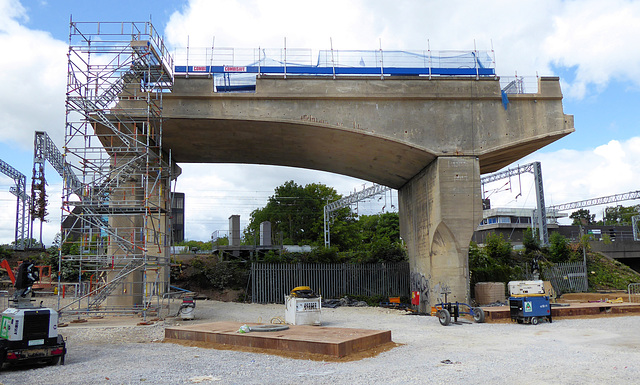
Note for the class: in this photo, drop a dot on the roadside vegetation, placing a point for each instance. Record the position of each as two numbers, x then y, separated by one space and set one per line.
615 215
498 262
296 214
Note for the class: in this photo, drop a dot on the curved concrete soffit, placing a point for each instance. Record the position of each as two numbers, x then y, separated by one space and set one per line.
313 145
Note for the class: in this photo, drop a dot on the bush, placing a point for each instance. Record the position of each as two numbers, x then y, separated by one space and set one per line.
381 252
494 263
4 253
497 248
209 273
559 248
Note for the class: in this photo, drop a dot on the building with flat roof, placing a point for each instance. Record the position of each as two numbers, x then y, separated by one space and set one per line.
511 223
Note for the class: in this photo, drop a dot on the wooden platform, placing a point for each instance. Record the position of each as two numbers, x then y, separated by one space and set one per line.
588 309
334 342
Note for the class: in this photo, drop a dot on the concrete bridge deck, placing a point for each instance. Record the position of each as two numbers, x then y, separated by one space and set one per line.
430 138
384 131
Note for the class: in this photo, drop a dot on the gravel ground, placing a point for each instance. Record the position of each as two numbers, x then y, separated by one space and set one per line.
567 351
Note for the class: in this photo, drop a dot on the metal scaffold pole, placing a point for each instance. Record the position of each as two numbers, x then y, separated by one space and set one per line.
115 218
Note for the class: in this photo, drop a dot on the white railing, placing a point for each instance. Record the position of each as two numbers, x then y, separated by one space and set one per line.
519 84
634 292
332 58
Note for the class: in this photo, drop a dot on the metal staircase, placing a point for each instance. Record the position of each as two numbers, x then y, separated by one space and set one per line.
118 73
104 291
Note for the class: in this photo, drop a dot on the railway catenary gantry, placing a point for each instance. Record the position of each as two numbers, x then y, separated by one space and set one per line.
22 206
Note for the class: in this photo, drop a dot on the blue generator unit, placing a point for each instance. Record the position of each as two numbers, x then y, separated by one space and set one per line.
530 308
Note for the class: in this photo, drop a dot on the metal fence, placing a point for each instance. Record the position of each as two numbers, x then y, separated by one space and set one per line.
4 299
271 282
634 292
569 277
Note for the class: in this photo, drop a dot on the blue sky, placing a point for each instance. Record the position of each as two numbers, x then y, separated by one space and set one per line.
54 16
591 45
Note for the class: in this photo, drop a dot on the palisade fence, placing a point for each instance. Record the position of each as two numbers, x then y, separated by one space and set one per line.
634 292
272 282
568 277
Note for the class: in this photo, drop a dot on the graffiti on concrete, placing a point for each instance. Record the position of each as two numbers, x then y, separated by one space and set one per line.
440 289
420 283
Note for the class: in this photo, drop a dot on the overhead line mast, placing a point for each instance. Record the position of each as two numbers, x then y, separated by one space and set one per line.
22 206
541 211
346 201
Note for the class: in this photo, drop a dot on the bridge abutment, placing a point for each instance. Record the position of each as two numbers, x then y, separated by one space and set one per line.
440 208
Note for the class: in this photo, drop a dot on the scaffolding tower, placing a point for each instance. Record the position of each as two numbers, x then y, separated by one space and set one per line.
115 213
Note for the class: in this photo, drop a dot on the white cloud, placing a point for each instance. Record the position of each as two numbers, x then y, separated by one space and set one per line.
594 37
10 10
215 192
253 23
33 68
599 39
571 176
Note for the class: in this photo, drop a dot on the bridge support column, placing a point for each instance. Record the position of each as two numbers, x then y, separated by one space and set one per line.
141 220
440 208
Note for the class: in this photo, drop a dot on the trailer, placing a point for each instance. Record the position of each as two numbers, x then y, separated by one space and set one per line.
28 333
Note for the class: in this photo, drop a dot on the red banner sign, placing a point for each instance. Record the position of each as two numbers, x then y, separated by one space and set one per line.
235 69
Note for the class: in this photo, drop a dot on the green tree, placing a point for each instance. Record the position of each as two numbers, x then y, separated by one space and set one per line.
530 241
68 269
620 215
196 245
559 248
379 237
207 272
297 213
381 226
5 253
582 217
498 248
32 242
222 241
493 262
